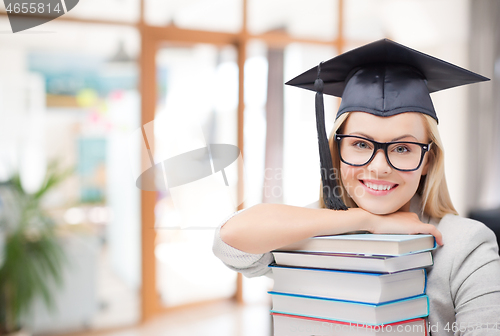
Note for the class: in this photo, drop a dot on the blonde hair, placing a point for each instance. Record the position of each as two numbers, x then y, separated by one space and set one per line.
435 198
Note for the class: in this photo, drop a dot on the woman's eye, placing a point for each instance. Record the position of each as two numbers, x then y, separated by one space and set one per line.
401 149
361 145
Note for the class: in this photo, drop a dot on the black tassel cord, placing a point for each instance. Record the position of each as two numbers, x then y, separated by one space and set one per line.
330 188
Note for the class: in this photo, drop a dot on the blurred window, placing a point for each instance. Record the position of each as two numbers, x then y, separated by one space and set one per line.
113 10
210 15
197 104
314 19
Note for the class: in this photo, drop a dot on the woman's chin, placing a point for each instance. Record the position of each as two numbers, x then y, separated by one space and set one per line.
378 209
380 212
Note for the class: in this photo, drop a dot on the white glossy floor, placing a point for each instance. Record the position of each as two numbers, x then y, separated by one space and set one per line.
219 319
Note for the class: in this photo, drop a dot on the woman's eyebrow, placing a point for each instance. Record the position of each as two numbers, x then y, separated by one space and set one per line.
395 139
405 136
361 134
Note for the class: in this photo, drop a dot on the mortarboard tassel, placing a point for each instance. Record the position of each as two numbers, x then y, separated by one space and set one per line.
327 173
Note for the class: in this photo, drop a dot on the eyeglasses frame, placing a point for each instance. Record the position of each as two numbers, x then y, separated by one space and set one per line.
384 146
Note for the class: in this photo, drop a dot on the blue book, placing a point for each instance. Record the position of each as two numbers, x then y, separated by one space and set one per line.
350 286
349 311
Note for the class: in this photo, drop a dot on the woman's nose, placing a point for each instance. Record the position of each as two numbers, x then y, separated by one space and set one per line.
379 164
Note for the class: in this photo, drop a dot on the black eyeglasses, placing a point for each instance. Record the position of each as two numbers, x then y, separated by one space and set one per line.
401 155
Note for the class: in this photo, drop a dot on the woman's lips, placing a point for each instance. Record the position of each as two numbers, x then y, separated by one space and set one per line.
378 188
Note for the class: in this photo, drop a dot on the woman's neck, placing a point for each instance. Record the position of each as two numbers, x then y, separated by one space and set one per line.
407 206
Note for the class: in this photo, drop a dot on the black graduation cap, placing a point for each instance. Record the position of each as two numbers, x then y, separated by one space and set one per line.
383 78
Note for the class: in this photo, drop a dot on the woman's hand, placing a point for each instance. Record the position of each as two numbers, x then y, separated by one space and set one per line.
401 222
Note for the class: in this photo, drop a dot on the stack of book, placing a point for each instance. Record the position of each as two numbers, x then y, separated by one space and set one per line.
354 284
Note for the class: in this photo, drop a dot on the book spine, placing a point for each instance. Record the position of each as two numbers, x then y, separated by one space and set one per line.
300 317
425 280
354 302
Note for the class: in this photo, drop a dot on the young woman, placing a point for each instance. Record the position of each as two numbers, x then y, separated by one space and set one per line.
384 161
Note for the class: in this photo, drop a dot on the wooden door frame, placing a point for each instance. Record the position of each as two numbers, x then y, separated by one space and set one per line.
152 39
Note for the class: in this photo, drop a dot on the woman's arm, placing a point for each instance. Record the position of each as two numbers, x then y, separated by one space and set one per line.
265 227
248 264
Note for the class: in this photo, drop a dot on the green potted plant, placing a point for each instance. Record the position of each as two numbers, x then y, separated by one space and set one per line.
32 257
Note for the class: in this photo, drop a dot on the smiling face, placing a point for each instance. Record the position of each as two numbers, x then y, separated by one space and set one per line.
376 186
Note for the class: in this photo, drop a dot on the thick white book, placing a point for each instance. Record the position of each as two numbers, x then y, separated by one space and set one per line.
348 311
368 244
286 325
354 262
351 286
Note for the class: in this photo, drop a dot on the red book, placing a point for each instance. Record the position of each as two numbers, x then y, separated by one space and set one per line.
287 325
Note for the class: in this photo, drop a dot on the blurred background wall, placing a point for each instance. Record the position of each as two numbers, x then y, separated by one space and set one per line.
77 88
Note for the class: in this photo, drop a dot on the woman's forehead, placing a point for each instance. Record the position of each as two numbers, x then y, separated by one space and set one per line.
386 128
